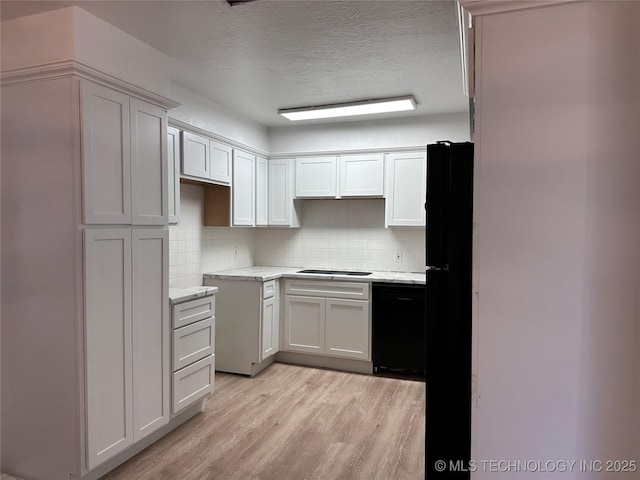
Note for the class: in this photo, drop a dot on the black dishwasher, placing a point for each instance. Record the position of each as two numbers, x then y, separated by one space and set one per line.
398 335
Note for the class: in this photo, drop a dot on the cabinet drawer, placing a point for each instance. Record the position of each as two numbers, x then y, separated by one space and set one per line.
320 288
192 311
193 342
268 289
193 382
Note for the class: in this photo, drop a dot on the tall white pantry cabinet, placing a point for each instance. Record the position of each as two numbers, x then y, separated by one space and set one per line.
85 273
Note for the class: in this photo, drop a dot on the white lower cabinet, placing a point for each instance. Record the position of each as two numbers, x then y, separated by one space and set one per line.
347 328
127 303
247 324
270 338
193 347
304 324
319 322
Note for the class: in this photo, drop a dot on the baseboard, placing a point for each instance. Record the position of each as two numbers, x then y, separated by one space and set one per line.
335 363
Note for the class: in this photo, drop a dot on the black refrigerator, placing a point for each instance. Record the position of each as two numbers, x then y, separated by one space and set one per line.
449 206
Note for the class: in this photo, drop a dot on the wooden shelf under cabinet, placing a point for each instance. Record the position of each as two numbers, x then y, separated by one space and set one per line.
217 203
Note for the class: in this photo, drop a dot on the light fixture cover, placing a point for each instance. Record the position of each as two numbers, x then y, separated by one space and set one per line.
366 107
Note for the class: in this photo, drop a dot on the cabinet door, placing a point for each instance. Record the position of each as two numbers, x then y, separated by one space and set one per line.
220 162
262 191
151 330
361 175
304 324
196 160
108 348
149 167
269 323
316 177
193 382
347 328
106 155
243 188
280 192
173 159
406 189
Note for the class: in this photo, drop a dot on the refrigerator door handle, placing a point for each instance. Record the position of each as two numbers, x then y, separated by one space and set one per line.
437 269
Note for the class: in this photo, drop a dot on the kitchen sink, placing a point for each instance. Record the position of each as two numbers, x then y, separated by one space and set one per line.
336 272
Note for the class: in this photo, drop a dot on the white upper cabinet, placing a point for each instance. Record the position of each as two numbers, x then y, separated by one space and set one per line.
220 162
106 155
406 189
283 209
149 169
173 159
196 158
316 176
243 190
206 159
124 156
361 175
262 191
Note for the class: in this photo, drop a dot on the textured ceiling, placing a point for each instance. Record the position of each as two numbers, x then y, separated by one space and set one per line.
268 54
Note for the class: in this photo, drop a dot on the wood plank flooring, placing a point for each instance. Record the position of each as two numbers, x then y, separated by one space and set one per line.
294 423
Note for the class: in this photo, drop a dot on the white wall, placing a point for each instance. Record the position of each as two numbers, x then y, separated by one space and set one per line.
354 135
213 117
72 33
556 241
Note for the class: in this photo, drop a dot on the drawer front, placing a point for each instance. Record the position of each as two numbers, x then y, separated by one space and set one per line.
268 289
193 311
193 342
321 288
193 382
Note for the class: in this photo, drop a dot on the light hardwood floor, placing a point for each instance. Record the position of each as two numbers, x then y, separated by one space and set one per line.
294 423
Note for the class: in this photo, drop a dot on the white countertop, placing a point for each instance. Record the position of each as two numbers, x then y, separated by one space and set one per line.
183 294
264 273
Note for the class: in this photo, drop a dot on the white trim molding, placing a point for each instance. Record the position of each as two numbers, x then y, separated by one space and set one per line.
468 10
66 68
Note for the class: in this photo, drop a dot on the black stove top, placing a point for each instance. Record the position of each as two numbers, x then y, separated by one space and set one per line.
336 272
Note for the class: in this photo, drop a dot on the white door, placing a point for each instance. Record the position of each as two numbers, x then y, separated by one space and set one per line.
196 160
149 166
304 324
347 328
361 175
106 155
173 160
262 191
406 189
243 188
108 348
280 192
316 176
220 162
151 330
269 321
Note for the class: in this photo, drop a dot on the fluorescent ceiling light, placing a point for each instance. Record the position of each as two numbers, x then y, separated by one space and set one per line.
367 107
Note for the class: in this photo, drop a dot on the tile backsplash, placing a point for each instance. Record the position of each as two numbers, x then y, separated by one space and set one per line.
340 234
194 249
